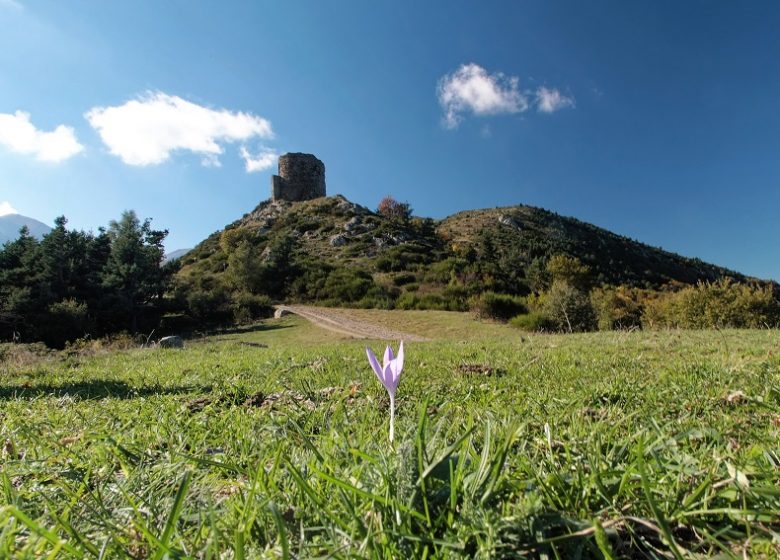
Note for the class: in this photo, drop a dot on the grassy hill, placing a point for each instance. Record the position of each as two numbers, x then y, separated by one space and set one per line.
332 250
537 233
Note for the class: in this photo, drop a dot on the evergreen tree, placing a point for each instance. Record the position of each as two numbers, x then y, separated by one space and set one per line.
18 275
133 273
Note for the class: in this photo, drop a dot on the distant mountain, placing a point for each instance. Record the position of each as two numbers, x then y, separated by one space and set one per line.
10 225
175 255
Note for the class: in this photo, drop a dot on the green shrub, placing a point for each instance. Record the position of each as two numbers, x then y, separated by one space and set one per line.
403 258
403 279
532 322
65 321
567 308
347 285
568 269
430 301
443 272
501 307
210 303
721 304
249 307
616 308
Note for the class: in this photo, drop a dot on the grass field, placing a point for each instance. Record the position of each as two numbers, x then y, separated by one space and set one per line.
272 442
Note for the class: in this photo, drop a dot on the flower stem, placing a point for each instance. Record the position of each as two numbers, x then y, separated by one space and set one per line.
392 418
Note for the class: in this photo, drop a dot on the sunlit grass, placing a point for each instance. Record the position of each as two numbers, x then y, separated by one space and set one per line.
273 442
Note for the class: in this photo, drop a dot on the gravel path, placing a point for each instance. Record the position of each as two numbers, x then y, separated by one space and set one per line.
339 321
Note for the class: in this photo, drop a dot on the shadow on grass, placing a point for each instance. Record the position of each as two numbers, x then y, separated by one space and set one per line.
260 327
219 333
99 389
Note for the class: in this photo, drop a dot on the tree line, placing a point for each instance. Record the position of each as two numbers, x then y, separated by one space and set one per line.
73 284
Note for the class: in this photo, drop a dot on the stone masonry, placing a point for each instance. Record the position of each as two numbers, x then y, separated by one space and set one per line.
301 177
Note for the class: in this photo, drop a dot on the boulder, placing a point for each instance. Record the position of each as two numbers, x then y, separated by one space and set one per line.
171 342
338 240
352 224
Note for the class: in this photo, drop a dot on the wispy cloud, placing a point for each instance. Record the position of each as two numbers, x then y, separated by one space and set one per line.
471 88
11 4
19 135
260 161
145 131
6 208
549 100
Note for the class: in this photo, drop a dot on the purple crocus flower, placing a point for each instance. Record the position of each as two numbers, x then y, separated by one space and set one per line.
389 374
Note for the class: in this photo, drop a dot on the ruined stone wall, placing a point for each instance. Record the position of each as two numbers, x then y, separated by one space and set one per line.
301 177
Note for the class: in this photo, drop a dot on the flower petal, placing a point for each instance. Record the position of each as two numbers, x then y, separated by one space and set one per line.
389 383
399 361
375 365
388 356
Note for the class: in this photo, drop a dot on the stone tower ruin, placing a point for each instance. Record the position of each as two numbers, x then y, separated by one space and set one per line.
301 177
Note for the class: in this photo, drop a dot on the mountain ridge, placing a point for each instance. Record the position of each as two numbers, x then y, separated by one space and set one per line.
10 224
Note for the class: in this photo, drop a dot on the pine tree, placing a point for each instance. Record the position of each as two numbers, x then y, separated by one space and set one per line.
133 273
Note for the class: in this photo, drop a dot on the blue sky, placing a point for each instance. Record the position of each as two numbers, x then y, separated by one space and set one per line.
657 120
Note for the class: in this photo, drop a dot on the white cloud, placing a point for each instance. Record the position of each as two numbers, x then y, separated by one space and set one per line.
6 208
551 100
471 88
146 130
19 135
258 162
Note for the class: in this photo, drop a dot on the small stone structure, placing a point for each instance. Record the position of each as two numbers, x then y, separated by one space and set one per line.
301 177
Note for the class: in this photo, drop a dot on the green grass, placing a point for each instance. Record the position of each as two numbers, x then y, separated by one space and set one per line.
609 445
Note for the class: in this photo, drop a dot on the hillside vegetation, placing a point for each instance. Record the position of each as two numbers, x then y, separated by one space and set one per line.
271 441
541 271
334 230
501 263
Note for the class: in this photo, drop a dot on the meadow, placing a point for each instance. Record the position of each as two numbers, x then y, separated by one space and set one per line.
272 441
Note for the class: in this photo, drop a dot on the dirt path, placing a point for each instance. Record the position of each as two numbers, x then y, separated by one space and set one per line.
339 321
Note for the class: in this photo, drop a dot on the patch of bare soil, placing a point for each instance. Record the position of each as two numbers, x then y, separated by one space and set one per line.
338 320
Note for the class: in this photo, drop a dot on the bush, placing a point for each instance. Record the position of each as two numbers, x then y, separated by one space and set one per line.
568 309
209 303
434 302
393 210
347 285
568 269
721 304
531 322
65 321
616 308
501 307
250 307
403 279
403 258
